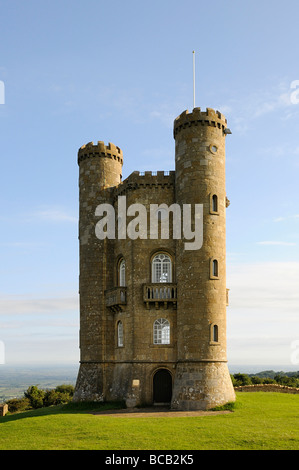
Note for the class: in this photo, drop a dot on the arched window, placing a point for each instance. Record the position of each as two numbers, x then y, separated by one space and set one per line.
120 334
161 268
122 273
215 268
161 331
215 333
214 203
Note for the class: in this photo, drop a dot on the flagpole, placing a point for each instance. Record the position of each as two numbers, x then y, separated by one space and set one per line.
193 79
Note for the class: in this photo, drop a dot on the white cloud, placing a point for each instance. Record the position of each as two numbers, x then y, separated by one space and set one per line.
273 243
289 217
20 304
269 101
54 215
265 287
273 99
263 313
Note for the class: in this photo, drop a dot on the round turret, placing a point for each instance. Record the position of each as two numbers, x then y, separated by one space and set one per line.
103 163
201 273
100 171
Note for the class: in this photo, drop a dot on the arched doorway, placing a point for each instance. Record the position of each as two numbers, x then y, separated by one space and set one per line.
162 386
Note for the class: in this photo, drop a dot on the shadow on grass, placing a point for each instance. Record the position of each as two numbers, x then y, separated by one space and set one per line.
69 408
90 407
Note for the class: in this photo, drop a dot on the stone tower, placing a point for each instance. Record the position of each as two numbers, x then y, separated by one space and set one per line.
100 169
202 379
153 313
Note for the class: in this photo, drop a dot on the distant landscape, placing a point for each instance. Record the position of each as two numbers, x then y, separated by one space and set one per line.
14 380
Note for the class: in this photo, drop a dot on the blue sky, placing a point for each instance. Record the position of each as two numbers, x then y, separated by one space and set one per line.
121 72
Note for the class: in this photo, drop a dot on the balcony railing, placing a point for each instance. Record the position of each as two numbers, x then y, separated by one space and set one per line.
115 298
160 293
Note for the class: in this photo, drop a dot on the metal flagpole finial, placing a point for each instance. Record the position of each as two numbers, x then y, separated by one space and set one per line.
193 79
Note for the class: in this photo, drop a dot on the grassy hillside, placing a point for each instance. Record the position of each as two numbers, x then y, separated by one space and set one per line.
259 421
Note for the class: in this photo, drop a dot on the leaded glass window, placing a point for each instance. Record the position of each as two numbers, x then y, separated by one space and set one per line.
161 331
161 268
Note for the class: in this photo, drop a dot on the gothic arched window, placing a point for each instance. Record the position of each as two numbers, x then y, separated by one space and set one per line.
122 273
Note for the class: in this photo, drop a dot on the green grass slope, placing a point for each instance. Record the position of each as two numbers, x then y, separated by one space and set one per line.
260 421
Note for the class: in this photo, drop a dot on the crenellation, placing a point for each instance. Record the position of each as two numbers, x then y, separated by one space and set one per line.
100 150
198 117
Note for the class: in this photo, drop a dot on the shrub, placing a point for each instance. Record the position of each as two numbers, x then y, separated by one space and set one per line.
18 404
68 389
54 397
256 380
288 381
267 380
39 398
241 379
35 396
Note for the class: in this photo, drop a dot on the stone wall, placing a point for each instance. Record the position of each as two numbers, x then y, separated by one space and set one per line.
3 409
267 388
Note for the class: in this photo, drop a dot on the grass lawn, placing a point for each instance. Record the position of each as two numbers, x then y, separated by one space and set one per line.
261 420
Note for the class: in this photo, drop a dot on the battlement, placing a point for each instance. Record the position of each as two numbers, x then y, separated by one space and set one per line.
100 150
145 180
210 117
147 174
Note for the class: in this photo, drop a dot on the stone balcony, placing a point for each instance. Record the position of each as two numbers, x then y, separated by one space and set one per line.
115 298
160 294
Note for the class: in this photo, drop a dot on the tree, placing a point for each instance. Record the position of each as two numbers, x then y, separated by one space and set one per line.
35 396
256 380
242 379
68 389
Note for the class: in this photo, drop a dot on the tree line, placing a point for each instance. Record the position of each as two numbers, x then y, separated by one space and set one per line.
280 378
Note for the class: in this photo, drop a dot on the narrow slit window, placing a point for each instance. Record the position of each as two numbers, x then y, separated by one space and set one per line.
215 203
122 273
215 268
215 333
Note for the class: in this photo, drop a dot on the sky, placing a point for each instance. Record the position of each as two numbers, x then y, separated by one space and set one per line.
121 72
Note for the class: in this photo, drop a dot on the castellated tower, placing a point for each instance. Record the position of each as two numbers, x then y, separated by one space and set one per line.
202 379
100 170
153 308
